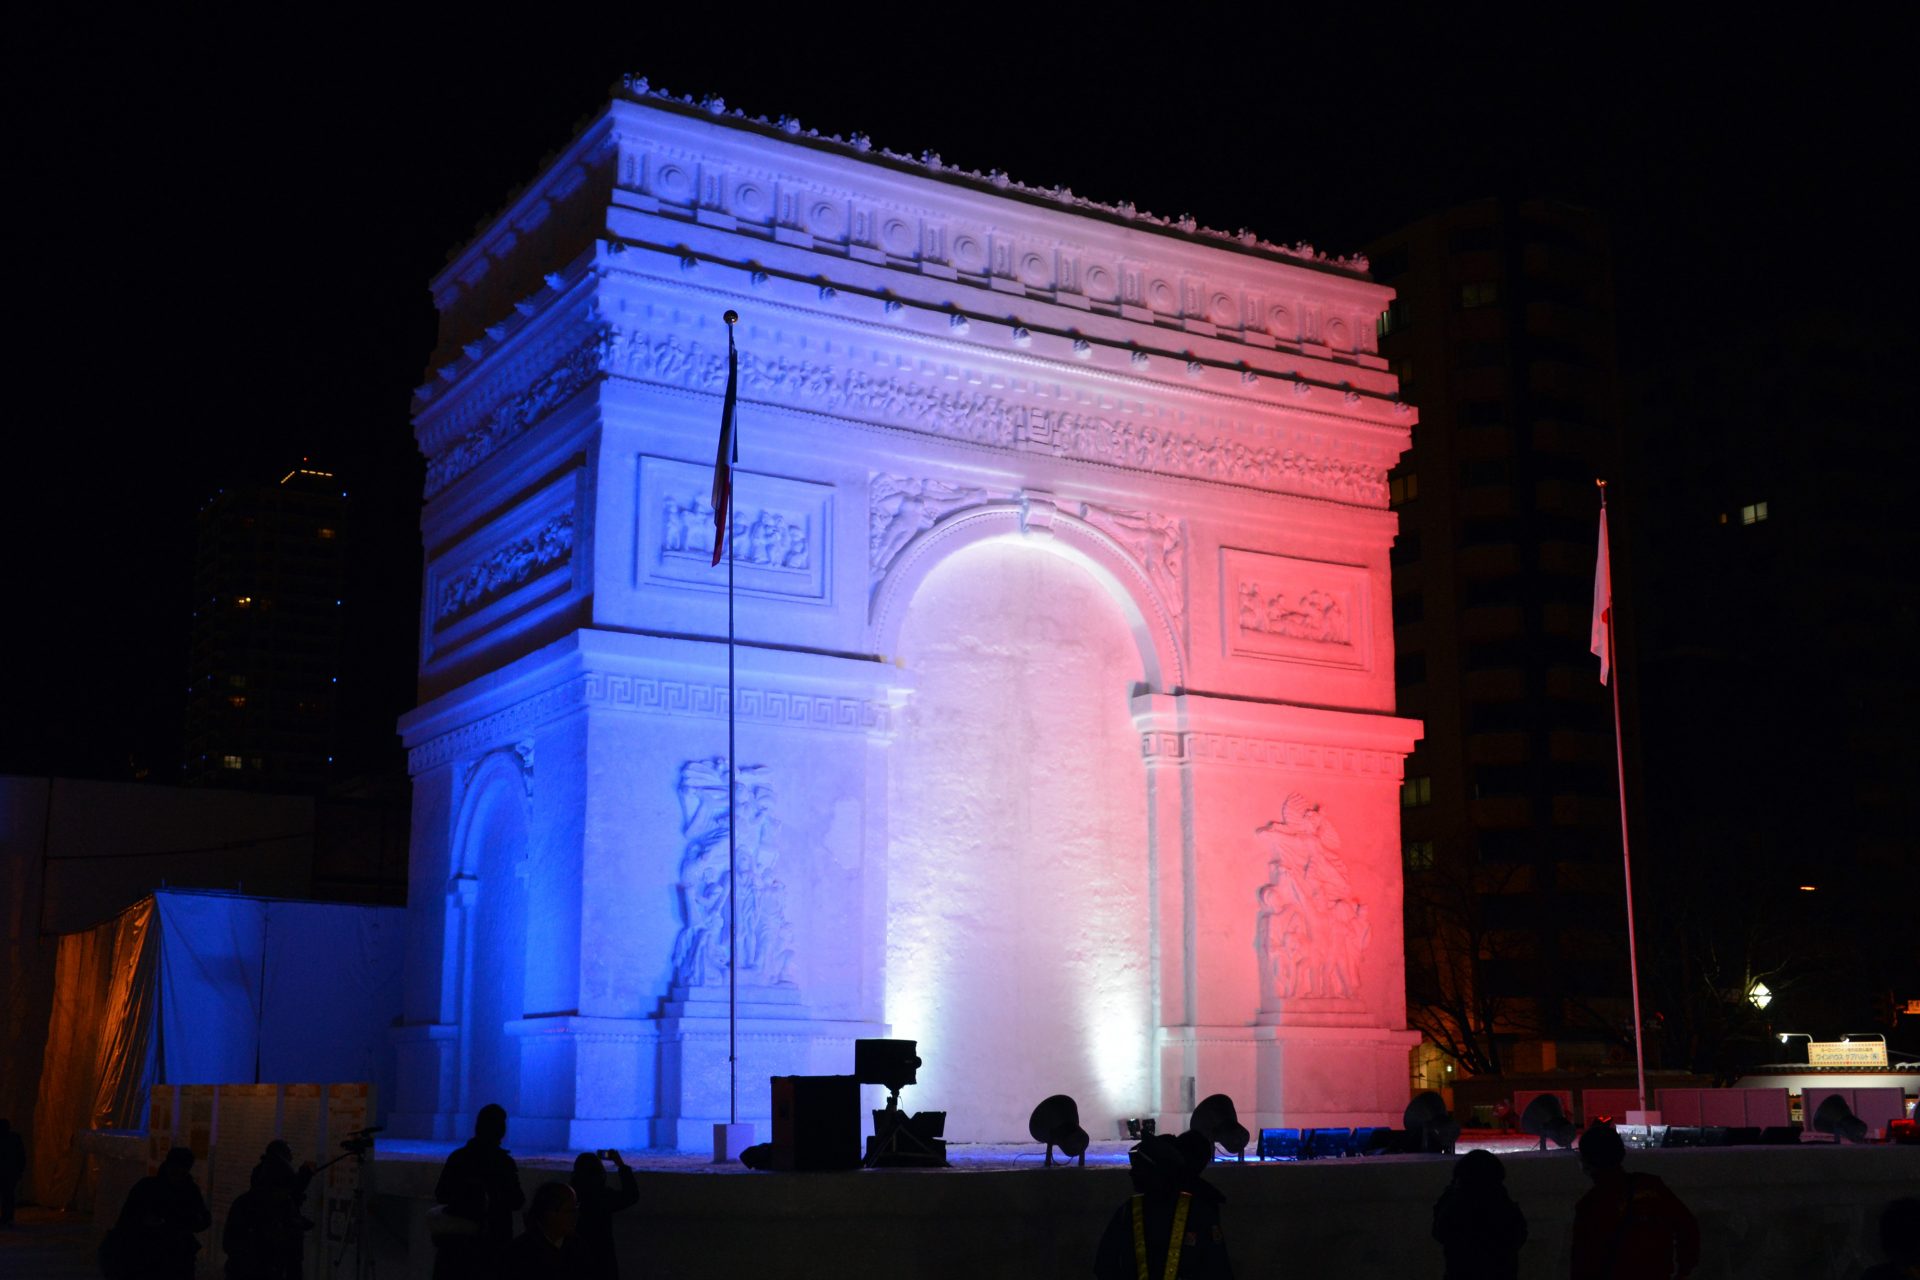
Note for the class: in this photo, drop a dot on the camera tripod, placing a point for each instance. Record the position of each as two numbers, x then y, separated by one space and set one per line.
357 1147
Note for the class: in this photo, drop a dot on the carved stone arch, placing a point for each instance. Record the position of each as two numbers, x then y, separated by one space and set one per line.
1152 619
508 767
485 923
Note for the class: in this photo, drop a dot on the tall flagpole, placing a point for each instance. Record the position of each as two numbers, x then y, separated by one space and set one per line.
733 765
1620 767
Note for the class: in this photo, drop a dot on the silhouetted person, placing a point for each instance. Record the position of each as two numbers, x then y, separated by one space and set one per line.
548 1249
1899 1240
13 1163
480 1184
1480 1229
1629 1227
1172 1208
265 1228
153 1238
598 1204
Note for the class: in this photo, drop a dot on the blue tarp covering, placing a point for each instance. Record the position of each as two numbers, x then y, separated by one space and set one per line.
211 988
272 992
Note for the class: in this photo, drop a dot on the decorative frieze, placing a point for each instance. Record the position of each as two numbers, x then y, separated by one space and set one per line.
986 417
570 375
512 566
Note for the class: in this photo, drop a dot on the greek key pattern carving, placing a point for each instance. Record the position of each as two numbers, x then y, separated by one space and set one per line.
513 565
500 728
655 696
647 694
982 417
1169 747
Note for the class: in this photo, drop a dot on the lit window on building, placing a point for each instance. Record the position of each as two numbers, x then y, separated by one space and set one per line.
1753 513
232 762
1415 792
243 602
323 533
1480 293
238 682
1403 488
237 701
1419 855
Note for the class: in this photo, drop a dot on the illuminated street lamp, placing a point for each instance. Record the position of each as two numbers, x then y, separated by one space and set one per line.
1760 996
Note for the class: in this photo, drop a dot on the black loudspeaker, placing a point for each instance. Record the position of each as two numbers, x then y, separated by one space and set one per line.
816 1122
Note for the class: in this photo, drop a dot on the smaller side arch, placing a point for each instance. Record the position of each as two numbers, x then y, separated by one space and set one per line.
1154 623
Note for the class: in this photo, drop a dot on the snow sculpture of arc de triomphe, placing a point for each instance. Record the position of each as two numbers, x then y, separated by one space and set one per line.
1065 676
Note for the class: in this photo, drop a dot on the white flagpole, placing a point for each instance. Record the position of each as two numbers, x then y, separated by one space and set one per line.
1620 766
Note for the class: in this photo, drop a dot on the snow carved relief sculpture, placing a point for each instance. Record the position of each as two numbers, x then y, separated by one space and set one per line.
765 539
1311 931
765 937
1311 615
511 566
901 509
1154 542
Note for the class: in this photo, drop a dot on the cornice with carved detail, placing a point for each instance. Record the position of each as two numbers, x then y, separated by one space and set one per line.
1180 748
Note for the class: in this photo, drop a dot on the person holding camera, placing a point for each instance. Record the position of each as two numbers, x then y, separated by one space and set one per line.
598 1204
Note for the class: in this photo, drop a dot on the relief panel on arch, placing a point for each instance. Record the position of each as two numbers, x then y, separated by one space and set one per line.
781 531
1279 608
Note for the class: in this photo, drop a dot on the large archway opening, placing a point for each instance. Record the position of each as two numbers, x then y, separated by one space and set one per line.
495 988
1017 923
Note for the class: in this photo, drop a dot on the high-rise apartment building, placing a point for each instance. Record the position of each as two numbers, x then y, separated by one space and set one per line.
268 634
1502 333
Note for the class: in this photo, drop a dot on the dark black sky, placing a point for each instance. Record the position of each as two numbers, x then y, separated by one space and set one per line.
229 231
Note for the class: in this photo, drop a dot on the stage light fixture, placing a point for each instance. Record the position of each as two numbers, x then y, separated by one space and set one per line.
1140 1128
899 1139
1214 1119
1546 1117
1056 1122
1279 1144
1834 1116
1320 1144
1432 1130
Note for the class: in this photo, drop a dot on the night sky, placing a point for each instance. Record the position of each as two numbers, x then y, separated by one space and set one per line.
228 235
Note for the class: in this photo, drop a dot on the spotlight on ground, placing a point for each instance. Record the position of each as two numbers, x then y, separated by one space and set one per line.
1834 1116
1214 1120
1546 1118
1056 1122
1431 1130
1140 1128
899 1139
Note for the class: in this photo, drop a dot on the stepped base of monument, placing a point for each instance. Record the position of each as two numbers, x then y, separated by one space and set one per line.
1779 1212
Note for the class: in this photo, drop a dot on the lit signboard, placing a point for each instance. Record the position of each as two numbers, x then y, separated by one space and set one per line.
1847 1053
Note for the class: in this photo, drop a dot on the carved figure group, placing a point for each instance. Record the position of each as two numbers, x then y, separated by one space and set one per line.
1311 930
1312 615
901 508
507 568
765 938
765 539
